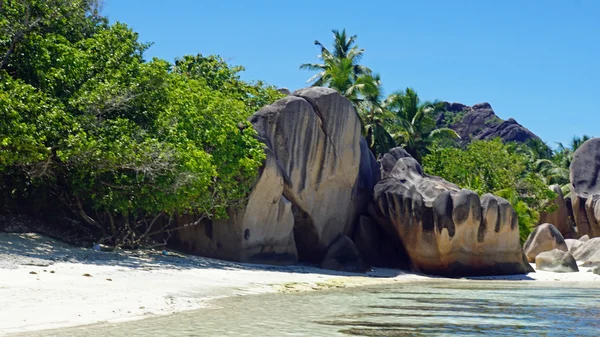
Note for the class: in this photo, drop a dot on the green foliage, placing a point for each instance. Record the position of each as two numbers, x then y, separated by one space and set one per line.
118 141
494 167
554 165
452 118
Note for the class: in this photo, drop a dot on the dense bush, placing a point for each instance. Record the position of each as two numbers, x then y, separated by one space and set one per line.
87 125
494 167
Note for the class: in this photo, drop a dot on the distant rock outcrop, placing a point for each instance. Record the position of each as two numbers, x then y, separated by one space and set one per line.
479 122
444 229
585 188
317 179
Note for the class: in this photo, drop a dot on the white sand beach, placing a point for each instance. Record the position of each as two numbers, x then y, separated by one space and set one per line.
46 284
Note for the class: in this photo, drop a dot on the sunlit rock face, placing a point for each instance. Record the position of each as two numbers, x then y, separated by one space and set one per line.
560 217
585 188
446 230
317 179
544 238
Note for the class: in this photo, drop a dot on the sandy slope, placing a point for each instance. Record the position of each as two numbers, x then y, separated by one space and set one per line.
45 284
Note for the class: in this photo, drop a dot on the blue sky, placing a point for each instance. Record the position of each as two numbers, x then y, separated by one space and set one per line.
537 61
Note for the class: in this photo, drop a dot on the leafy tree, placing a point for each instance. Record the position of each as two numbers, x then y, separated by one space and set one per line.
117 141
493 167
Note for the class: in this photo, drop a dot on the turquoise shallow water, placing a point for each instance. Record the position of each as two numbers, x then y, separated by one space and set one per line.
432 308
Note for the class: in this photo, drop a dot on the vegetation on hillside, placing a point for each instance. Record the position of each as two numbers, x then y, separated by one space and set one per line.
87 125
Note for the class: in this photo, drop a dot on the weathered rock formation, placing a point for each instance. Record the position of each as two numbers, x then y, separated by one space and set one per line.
557 261
542 239
479 122
342 255
317 179
593 260
560 217
585 188
573 244
446 230
587 250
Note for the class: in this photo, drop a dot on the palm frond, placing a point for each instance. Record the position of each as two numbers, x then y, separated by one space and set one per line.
444 132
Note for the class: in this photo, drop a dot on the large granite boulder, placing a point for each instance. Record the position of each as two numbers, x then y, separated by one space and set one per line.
260 232
542 239
317 179
557 261
560 217
585 188
343 255
444 229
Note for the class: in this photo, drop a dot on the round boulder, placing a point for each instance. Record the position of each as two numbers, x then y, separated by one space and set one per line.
557 261
585 187
543 238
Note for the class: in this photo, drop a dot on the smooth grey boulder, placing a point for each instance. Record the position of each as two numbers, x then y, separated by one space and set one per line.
585 188
584 238
543 238
444 229
343 255
557 261
586 250
573 245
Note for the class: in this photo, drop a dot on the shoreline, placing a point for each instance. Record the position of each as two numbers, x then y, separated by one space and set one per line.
46 284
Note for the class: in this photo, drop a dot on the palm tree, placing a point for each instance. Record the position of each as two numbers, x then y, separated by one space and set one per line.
340 68
367 95
415 124
556 170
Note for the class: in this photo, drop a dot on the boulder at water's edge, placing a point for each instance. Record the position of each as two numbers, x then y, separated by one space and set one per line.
446 230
